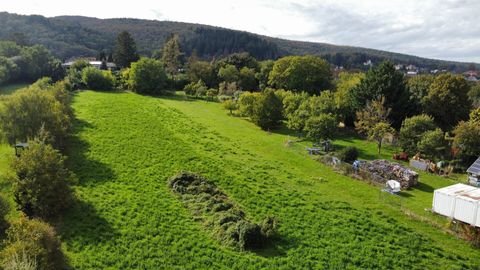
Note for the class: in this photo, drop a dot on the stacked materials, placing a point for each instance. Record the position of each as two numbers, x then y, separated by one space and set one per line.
383 170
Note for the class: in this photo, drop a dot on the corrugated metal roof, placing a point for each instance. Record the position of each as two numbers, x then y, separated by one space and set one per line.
457 189
475 168
462 190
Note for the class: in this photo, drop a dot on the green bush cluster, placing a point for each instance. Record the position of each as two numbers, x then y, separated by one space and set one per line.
32 244
42 105
227 221
96 79
41 181
348 154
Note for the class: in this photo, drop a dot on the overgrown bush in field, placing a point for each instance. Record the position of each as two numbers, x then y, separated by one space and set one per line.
433 144
295 110
230 105
96 79
218 212
196 89
267 110
74 74
41 181
25 112
147 76
246 103
320 127
20 261
467 139
348 154
31 242
412 131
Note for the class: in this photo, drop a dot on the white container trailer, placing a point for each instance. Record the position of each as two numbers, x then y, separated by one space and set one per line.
460 202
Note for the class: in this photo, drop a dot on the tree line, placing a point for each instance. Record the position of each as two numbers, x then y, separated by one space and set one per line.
41 184
304 93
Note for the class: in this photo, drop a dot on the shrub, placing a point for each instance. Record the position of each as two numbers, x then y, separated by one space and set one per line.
230 105
4 209
32 242
412 131
96 79
246 103
267 110
20 261
41 181
320 127
147 76
433 144
467 139
25 112
348 154
196 89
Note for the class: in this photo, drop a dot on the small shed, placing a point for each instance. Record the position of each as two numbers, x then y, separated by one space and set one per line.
460 202
19 148
474 173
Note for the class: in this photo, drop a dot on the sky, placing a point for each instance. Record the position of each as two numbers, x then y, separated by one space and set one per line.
440 29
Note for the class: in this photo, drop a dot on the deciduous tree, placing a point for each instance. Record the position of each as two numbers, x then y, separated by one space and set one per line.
412 131
374 112
42 182
384 80
320 127
301 73
147 76
447 100
378 132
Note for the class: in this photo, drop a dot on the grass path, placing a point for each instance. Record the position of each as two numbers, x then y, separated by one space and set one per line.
126 146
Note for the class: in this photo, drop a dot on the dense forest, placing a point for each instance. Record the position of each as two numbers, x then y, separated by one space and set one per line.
72 36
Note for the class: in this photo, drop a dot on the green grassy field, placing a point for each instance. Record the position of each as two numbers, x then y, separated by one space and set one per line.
126 146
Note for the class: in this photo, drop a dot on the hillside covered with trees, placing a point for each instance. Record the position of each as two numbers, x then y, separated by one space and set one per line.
73 36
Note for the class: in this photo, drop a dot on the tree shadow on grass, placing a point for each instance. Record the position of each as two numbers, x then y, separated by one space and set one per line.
404 194
87 170
82 226
362 154
424 187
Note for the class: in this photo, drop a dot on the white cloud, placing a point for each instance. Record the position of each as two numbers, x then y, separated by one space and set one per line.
439 29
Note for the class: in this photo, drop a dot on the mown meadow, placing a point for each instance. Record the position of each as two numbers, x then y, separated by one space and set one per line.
126 146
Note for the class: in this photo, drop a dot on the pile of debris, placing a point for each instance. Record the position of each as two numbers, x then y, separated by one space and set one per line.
383 170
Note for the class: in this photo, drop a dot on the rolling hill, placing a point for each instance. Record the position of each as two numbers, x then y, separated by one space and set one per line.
71 36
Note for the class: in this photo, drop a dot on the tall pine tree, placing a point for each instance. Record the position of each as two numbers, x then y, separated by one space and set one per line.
125 50
384 80
171 55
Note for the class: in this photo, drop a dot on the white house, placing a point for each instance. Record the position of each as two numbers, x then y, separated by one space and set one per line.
97 64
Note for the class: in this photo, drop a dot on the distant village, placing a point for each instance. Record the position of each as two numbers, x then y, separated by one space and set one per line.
408 70
412 70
